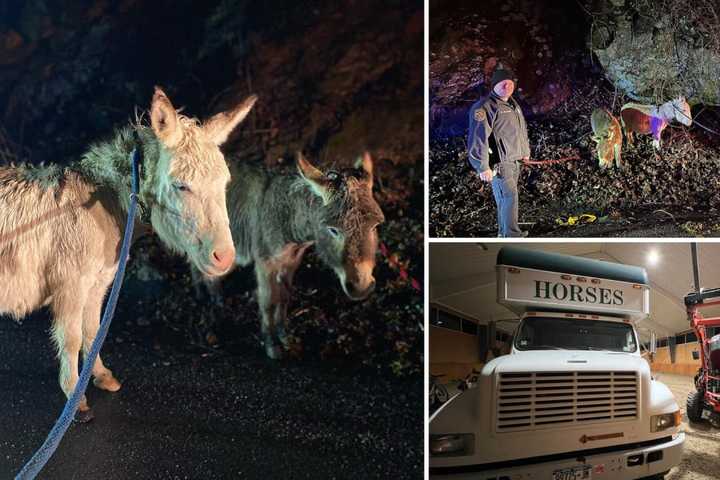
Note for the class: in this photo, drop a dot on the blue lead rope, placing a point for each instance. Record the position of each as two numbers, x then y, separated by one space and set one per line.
41 457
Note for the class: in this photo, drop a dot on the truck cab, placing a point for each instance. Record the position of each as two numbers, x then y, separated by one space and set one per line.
574 399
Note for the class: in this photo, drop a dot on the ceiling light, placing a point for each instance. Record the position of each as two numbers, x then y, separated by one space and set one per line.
653 257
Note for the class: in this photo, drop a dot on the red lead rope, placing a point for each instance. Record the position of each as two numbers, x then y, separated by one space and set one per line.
548 162
396 264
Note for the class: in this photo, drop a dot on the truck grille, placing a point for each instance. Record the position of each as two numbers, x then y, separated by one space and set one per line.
530 401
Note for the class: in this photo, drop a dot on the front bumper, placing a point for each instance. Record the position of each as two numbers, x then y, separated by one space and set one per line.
605 466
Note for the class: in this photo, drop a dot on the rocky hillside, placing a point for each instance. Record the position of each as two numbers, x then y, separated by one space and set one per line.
561 80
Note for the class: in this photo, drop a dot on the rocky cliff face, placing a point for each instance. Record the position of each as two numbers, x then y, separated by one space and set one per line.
561 81
657 50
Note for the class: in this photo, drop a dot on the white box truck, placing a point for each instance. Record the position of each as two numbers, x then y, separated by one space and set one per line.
574 399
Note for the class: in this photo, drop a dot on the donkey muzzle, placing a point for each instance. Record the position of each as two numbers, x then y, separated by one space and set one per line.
356 292
222 259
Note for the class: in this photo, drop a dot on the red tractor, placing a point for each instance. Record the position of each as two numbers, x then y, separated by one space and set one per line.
704 403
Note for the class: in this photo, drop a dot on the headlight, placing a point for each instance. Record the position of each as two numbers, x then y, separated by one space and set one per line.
659 423
452 444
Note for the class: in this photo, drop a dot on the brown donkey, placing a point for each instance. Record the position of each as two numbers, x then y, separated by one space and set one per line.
275 217
60 229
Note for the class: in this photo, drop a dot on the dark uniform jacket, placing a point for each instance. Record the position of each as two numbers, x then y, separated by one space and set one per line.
506 123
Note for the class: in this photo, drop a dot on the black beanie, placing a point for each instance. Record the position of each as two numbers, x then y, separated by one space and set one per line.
499 75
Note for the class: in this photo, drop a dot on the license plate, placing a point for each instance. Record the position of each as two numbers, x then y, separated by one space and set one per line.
581 472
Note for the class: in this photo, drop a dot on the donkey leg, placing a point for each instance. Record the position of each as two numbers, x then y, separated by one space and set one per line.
67 306
280 314
289 260
629 136
198 282
103 378
274 278
265 302
215 291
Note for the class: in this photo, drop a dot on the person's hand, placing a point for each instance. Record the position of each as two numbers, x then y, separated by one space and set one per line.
486 176
526 159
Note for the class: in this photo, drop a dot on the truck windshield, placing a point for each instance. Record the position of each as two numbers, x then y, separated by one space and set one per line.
543 333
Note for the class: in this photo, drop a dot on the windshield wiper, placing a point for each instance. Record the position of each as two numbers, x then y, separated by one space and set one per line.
545 347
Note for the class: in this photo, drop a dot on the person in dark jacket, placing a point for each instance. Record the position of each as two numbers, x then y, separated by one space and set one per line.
497 127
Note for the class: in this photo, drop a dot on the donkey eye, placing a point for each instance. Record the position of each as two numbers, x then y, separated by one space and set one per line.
334 232
182 187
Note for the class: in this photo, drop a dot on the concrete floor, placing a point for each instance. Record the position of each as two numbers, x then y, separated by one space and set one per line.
701 455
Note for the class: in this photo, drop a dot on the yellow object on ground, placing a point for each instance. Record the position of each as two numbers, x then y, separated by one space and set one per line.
576 220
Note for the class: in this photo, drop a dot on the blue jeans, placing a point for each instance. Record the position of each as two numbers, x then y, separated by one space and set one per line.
504 186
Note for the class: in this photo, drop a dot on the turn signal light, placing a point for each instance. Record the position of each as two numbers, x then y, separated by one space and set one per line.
678 418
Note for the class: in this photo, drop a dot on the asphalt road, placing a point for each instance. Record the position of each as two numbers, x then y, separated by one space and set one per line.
185 415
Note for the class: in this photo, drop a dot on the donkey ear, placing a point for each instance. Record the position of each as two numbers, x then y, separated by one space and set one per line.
315 178
219 126
366 162
164 120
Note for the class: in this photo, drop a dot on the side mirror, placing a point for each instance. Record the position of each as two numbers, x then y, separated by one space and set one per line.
696 355
653 343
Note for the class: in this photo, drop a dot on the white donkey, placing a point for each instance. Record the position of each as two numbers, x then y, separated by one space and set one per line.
60 229
638 118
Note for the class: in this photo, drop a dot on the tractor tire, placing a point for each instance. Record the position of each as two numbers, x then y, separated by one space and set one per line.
694 406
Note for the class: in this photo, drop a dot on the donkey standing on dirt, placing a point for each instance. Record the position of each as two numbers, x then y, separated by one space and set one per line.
275 217
60 230
638 118
608 136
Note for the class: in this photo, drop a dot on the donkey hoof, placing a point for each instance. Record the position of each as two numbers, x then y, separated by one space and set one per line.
274 351
84 416
285 340
107 382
